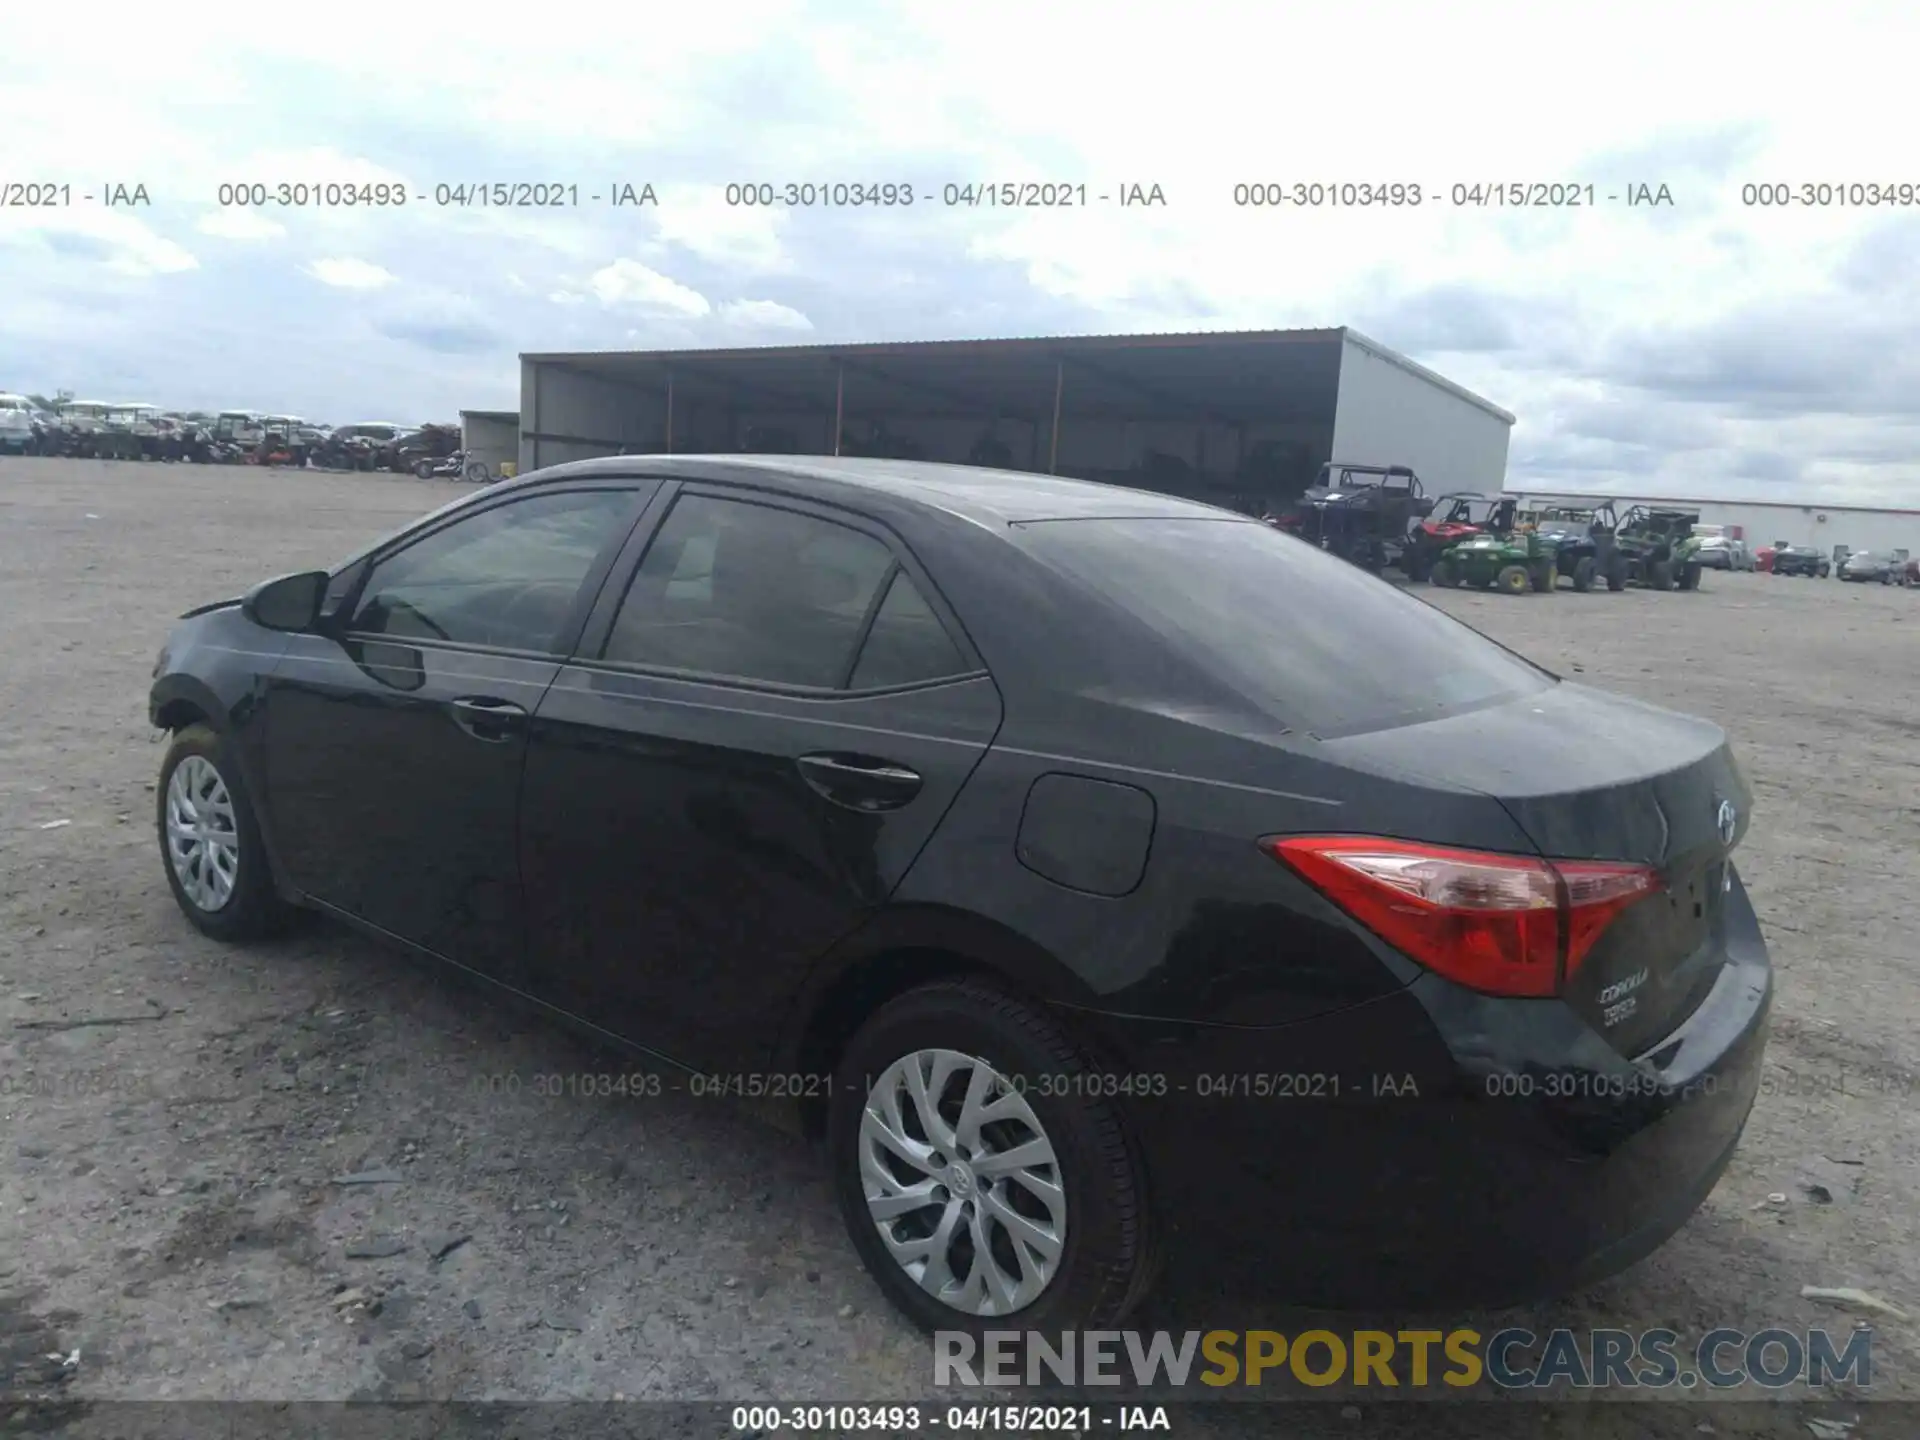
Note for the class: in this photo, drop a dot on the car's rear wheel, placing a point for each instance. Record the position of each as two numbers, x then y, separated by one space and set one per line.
1442 574
980 1173
1583 569
1513 579
210 841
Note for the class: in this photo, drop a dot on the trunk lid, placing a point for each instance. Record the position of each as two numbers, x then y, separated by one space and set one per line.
1591 776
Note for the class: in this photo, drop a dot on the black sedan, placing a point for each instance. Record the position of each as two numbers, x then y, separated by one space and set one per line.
1802 560
1098 874
1867 567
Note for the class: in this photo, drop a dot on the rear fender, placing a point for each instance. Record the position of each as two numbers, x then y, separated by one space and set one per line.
970 942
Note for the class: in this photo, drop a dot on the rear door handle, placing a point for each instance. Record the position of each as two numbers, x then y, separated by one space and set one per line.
487 718
860 782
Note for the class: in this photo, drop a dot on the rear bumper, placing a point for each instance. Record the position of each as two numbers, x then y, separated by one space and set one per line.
1440 1148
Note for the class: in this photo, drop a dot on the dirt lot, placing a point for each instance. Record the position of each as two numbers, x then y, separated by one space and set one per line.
177 1114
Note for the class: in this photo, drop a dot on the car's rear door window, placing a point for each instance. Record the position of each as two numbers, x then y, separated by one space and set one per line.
906 644
747 591
1325 647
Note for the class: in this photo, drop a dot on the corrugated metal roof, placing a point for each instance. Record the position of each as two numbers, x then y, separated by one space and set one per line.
1302 363
877 347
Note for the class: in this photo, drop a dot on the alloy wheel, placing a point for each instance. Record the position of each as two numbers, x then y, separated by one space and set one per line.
203 836
962 1182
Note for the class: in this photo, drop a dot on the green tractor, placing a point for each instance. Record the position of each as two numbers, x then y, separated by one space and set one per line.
1503 556
1661 550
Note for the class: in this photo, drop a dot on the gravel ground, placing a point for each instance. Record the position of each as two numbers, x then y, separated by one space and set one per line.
177 1114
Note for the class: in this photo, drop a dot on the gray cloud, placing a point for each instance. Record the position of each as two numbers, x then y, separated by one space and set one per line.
445 337
1448 319
1885 259
1768 467
1640 424
70 246
1703 156
1792 357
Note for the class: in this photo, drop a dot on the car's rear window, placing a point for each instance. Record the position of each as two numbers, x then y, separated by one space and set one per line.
1323 646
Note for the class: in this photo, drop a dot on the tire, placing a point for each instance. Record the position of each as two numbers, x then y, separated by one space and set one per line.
1583 569
1617 574
1690 574
480 473
1660 575
1545 576
423 469
1107 1261
1442 575
249 908
1513 580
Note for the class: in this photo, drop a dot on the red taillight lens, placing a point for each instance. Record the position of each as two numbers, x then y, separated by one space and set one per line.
1597 891
1503 924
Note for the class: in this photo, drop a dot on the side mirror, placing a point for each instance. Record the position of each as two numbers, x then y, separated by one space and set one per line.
291 603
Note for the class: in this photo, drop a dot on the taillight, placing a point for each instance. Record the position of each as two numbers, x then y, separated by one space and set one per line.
1502 924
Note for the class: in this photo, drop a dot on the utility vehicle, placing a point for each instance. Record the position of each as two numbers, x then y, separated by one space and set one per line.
1501 556
1583 542
1660 548
1361 513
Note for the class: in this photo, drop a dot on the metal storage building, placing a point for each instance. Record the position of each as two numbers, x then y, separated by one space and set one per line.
1240 417
492 436
1763 522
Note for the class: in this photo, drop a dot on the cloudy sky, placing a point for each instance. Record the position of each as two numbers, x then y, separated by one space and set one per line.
1707 347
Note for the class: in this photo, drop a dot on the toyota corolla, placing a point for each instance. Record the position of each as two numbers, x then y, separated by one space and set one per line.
1100 876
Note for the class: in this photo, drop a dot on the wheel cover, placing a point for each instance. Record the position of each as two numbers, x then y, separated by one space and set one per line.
203 837
962 1182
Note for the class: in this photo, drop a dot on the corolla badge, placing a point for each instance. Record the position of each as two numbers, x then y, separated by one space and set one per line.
1728 821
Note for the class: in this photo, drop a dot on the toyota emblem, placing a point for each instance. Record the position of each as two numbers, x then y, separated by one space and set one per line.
1728 821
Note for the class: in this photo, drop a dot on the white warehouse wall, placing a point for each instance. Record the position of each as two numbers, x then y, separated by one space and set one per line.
1393 412
1821 526
485 437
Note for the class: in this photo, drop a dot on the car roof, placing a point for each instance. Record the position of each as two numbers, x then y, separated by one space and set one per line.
991 498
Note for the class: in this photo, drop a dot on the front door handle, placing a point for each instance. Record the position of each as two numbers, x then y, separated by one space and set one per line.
487 718
860 782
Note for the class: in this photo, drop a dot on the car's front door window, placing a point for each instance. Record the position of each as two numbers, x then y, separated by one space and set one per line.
504 578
